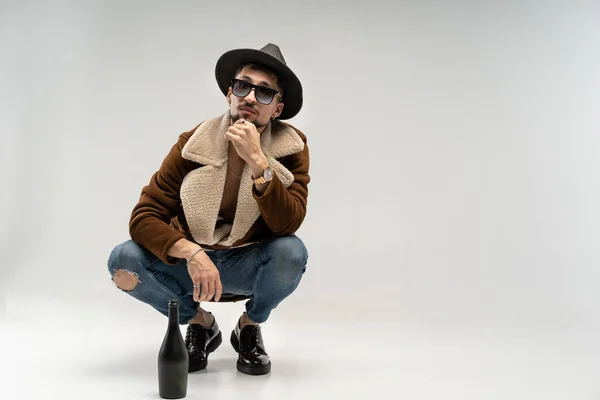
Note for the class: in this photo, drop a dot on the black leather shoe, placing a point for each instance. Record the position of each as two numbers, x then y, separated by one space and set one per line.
252 357
200 342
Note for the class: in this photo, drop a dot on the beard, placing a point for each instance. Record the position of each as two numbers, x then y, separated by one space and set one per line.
235 115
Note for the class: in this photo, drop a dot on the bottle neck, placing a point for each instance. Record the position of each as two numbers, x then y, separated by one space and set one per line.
174 315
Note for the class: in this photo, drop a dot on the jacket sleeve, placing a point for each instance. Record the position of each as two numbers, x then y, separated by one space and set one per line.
159 202
284 209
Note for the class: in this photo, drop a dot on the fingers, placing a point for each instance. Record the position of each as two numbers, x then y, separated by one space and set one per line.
219 289
231 136
235 135
205 289
196 291
236 130
207 281
209 292
210 286
241 125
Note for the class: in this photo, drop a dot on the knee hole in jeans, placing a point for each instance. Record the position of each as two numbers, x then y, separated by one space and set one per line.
125 280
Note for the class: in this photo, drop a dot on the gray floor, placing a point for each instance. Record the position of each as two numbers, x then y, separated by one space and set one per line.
99 352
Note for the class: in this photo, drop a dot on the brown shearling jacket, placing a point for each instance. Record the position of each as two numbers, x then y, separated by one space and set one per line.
183 197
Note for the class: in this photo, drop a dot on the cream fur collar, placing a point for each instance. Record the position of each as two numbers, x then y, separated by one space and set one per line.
202 189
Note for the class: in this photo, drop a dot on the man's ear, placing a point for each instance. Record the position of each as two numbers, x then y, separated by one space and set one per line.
278 110
228 96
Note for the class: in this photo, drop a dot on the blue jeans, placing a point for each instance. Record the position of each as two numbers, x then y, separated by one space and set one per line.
267 272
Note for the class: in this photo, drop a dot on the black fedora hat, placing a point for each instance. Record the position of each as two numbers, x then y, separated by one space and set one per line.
270 56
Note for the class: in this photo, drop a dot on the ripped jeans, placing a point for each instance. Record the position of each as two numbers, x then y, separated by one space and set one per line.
267 272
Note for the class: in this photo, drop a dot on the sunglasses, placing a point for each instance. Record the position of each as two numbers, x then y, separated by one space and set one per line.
263 94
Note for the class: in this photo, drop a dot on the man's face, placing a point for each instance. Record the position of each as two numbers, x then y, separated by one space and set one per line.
248 107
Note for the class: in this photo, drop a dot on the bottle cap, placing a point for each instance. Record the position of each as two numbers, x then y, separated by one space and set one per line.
174 303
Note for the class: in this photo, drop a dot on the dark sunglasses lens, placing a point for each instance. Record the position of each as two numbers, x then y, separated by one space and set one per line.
264 95
240 88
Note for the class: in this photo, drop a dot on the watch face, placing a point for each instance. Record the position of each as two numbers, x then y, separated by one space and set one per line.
268 174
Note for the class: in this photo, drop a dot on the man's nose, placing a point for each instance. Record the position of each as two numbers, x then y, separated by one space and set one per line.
250 98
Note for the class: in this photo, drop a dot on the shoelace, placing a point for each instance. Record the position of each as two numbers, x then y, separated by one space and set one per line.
193 335
251 338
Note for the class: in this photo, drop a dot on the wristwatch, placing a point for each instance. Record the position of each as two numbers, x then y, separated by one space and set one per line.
266 176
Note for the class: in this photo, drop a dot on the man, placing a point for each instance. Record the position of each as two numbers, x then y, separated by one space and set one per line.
217 220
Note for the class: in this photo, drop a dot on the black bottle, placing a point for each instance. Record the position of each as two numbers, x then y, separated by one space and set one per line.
173 359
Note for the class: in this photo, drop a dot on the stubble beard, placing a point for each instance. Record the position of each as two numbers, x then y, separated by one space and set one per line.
236 115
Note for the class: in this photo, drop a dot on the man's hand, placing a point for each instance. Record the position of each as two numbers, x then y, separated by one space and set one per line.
204 273
246 140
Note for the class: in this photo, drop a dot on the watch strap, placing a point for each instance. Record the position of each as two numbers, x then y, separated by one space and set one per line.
260 180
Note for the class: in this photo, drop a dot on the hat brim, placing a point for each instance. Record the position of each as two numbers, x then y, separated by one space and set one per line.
229 62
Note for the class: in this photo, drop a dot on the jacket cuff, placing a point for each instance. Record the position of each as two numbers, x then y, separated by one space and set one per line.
272 205
159 243
164 253
269 189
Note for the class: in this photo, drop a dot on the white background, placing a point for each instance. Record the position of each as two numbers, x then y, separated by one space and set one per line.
455 150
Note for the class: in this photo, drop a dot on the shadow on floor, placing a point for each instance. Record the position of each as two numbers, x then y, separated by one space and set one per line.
143 365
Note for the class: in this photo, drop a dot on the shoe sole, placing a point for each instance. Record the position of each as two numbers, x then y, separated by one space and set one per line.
259 370
214 344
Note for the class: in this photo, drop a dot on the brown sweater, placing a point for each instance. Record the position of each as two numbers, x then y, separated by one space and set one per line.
159 219
235 165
